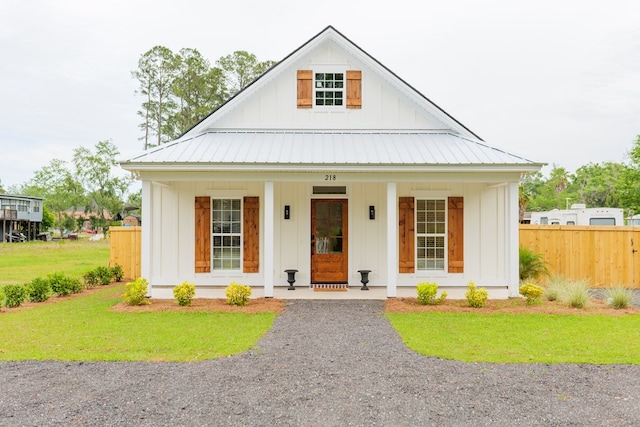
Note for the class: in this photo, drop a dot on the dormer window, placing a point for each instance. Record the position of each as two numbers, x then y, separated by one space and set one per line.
317 88
329 89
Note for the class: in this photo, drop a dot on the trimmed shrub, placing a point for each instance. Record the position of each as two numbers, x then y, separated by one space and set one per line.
91 279
619 297
38 290
531 293
476 297
184 293
136 291
117 273
63 285
237 294
427 294
14 295
104 274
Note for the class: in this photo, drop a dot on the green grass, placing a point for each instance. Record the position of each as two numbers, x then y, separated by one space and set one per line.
526 338
23 262
83 328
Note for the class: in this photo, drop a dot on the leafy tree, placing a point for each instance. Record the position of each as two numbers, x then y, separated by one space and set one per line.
104 191
2 190
155 74
59 188
198 88
48 218
630 180
596 185
242 68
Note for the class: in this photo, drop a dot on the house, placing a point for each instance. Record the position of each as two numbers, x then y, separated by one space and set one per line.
328 164
20 214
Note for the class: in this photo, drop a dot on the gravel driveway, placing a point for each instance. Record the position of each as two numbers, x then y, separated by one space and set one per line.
324 363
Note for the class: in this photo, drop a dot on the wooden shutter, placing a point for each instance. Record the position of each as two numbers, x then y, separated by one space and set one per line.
305 88
455 222
251 235
354 89
406 235
203 234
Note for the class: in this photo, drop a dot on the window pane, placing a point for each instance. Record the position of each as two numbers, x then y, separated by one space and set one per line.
430 234
227 229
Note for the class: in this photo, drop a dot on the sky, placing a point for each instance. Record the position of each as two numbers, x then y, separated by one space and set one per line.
554 81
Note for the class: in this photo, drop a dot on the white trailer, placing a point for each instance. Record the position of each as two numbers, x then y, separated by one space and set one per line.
579 214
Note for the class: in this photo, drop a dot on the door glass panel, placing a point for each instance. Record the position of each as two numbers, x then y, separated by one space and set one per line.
328 228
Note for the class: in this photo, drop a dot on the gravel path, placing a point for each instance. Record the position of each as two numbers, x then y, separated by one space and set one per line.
324 363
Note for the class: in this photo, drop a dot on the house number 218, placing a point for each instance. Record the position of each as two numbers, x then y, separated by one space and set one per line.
329 177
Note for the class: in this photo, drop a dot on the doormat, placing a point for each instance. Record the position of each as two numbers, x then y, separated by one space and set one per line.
329 287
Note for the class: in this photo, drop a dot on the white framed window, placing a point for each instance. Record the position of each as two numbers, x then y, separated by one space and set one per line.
431 229
329 89
226 241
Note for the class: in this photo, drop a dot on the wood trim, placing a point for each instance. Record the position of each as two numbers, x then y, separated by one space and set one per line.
305 89
203 234
354 89
406 235
455 223
251 235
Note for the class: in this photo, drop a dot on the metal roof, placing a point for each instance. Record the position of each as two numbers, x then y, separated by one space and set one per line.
346 148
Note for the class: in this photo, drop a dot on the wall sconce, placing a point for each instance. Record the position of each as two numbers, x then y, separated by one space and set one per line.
287 212
372 212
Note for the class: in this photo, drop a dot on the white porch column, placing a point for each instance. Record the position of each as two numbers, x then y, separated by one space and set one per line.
513 236
268 240
392 240
146 244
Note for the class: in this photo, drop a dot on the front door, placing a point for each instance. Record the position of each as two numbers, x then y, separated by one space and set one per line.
329 241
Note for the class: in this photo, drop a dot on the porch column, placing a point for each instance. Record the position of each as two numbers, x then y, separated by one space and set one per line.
268 240
392 240
513 239
147 208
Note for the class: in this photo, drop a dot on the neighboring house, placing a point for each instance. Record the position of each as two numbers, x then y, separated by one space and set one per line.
579 214
20 213
329 163
634 220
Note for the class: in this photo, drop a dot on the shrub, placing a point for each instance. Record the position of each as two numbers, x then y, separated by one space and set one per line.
531 292
555 289
14 295
136 291
619 297
38 290
577 294
104 274
237 294
91 279
427 294
476 297
63 285
532 265
117 273
2 297
184 293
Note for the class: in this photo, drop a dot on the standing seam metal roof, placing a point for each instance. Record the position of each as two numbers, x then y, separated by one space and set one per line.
333 147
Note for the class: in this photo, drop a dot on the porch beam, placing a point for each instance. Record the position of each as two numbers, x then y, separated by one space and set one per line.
512 233
392 240
269 248
145 261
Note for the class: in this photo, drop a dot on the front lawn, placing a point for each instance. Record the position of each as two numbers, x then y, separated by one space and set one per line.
521 338
84 328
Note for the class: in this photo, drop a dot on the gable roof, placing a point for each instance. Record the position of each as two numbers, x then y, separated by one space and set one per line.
208 145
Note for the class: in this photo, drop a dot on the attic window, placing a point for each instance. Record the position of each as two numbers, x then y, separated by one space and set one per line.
329 89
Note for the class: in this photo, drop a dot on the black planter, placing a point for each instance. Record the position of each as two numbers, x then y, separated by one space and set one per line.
291 278
364 279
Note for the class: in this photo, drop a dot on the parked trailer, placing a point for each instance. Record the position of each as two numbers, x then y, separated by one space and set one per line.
579 214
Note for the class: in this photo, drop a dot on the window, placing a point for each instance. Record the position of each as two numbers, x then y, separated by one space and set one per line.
226 234
329 89
544 220
36 206
602 221
430 234
23 205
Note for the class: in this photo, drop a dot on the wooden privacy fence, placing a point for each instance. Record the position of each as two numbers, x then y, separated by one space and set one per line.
603 255
606 256
126 250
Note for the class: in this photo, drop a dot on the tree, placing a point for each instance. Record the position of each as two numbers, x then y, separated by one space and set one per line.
2 190
104 191
155 74
630 180
241 68
59 188
198 88
597 184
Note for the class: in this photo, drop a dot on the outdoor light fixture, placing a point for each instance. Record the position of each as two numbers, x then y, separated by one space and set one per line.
372 212
287 212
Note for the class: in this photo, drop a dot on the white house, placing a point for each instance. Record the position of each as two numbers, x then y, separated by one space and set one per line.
329 163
